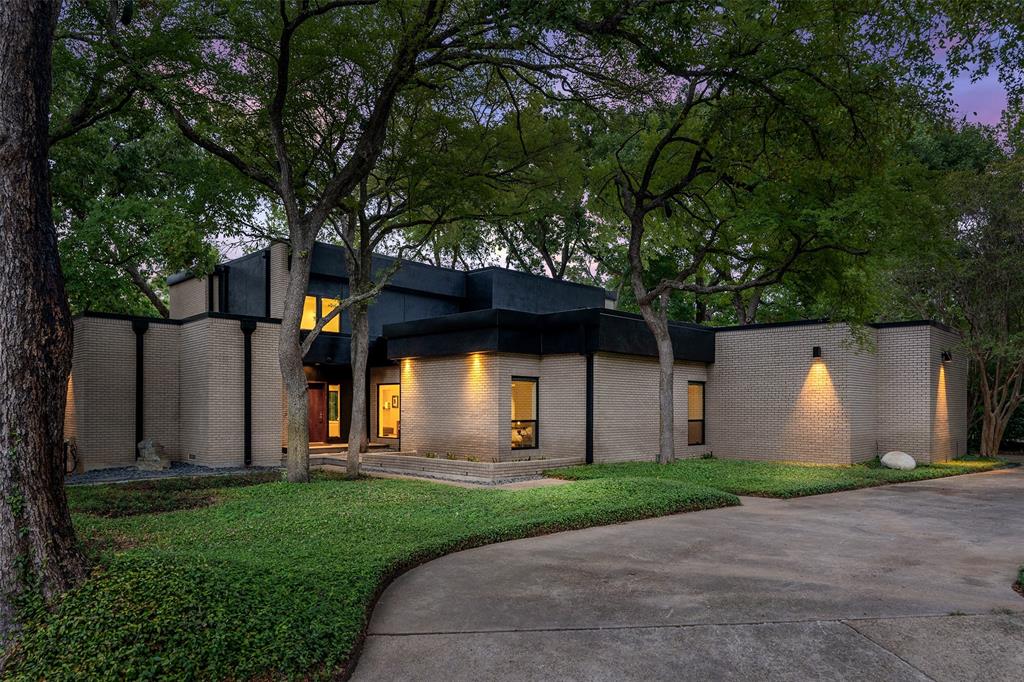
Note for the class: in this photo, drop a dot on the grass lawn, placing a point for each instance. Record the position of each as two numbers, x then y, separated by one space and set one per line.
276 579
770 479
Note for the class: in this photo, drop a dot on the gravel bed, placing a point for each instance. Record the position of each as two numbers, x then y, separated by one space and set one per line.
177 470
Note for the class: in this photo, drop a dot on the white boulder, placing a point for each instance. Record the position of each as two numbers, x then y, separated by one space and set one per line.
898 460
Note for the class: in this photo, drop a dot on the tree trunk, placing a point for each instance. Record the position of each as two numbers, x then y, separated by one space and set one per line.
657 322
357 437
39 556
994 420
359 262
290 358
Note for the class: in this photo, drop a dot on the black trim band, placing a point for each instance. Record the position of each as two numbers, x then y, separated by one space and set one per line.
248 327
140 327
266 283
590 410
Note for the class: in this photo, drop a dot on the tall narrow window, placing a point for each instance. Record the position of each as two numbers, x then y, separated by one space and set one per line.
695 409
524 413
389 410
334 411
309 314
326 306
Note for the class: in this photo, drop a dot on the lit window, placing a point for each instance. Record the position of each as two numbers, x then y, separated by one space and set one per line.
389 406
326 306
524 413
695 410
334 411
308 313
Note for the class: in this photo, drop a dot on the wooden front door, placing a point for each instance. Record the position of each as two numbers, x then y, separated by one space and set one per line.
317 413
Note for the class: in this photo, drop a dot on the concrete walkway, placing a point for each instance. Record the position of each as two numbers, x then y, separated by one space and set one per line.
907 582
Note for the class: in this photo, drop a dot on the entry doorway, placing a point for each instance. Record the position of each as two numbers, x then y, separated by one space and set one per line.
316 394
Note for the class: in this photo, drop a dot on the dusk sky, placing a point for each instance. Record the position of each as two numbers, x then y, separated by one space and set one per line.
980 102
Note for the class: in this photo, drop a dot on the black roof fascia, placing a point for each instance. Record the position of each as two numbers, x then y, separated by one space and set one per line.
336 350
577 331
805 323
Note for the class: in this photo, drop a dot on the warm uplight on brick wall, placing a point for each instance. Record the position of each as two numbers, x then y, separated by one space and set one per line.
818 412
941 432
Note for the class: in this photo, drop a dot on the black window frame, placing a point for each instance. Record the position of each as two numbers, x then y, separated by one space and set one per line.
398 435
535 421
703 410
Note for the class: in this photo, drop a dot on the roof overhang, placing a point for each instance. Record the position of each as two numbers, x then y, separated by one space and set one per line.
586 330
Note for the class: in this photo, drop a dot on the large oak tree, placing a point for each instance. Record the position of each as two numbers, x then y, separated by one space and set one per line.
39 557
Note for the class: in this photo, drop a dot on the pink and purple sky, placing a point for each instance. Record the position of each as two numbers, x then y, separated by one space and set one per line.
980 102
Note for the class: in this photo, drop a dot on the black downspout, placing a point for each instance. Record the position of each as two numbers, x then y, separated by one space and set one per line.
139 327
222 290
248 327
590 408
209 293
266 283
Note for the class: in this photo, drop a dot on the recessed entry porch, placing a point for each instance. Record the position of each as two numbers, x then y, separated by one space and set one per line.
329 396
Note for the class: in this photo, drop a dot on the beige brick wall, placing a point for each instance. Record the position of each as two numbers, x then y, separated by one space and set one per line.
949 396
378 376
160 387
904 410
449 405
867 395
100 413
189 298
462 405
278 277
194 391
561 405
101 400
626 407
769 399
766 398
212 381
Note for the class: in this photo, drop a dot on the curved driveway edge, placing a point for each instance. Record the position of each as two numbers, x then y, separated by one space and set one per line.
852 585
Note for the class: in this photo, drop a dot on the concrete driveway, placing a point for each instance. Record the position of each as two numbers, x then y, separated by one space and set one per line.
904 582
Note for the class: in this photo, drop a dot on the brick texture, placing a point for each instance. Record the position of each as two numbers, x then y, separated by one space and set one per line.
189 298
766 397
870 392
626 412
278 277
449 405
194 391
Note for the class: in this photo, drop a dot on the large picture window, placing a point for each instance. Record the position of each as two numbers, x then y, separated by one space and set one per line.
524 413
695 409
389 406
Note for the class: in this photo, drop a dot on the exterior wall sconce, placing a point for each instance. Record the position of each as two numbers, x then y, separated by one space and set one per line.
816 352
947 356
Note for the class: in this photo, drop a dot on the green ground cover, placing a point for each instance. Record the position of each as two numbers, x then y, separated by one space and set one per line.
770 479
276 579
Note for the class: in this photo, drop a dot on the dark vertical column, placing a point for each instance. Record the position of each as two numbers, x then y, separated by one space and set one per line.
248 327
140 327
590 408
209 293
266 283
223 305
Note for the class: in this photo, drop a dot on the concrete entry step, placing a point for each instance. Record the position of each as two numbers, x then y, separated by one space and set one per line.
412 464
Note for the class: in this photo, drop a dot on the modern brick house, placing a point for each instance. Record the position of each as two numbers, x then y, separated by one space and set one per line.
496 365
